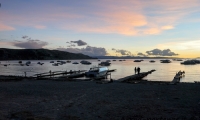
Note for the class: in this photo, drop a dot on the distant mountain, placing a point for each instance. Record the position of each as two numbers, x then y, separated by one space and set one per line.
131 57
38 54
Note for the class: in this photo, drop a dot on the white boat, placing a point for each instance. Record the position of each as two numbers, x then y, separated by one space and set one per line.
97 72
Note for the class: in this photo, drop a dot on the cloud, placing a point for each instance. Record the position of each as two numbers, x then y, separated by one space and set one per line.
79 42
158 52
122 52
89 50
5 27
127 17
141 54
24 37
29 43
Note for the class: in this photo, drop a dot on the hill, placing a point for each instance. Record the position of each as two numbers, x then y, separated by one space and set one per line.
38 54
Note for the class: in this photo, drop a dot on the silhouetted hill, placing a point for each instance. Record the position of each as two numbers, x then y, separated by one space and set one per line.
38 54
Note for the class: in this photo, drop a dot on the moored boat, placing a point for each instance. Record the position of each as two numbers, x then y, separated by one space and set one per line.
85 62
97 72
165 61
104 63
152 61
137 60
188 62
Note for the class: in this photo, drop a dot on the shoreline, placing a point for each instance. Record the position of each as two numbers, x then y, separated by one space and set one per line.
60 100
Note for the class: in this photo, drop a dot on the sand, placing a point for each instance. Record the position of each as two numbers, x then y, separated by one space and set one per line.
87 100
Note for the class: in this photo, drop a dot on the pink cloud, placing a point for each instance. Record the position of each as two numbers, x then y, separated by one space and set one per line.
5 27
128 17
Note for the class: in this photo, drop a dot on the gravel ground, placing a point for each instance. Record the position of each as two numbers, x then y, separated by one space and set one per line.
87 100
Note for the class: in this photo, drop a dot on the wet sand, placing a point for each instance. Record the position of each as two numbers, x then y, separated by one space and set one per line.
74 100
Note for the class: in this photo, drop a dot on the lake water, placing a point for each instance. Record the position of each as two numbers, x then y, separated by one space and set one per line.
164 71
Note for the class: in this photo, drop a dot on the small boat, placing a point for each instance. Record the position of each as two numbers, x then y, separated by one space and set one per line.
68 61
165 61
104 63
55 64
97 72
188 62
108 61
114 60
28 63
51 61
20 62
85 62
137 61
75 63
179 60
152 61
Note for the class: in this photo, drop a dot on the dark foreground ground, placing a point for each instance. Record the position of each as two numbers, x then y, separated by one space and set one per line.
87 100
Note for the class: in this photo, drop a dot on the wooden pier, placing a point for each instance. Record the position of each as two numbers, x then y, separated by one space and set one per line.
135 76
51 74
69 74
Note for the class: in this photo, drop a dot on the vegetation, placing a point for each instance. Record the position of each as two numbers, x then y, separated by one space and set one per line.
38 54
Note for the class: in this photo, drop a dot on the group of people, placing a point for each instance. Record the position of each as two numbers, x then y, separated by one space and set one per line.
137 70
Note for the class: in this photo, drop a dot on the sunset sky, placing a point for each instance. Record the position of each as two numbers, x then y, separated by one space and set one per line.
103 27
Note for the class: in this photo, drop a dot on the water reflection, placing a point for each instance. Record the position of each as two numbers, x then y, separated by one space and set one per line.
164 71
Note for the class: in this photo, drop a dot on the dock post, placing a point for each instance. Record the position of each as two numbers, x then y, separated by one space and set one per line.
50 73
25 74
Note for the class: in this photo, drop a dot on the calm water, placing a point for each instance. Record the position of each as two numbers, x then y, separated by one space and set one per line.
164 71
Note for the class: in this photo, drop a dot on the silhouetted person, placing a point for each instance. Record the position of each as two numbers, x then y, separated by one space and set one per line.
138 70
135 70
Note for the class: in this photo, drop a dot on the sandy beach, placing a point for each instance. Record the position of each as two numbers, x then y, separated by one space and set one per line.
88 100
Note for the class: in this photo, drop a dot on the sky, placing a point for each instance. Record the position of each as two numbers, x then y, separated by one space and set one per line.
103 27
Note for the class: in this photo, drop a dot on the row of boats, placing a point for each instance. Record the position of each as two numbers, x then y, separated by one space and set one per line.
108 62
187 62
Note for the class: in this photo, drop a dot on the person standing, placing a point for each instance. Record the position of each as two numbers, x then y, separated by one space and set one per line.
138 70
135 70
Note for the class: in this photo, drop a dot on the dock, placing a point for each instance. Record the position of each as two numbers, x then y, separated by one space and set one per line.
135 76
51 74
